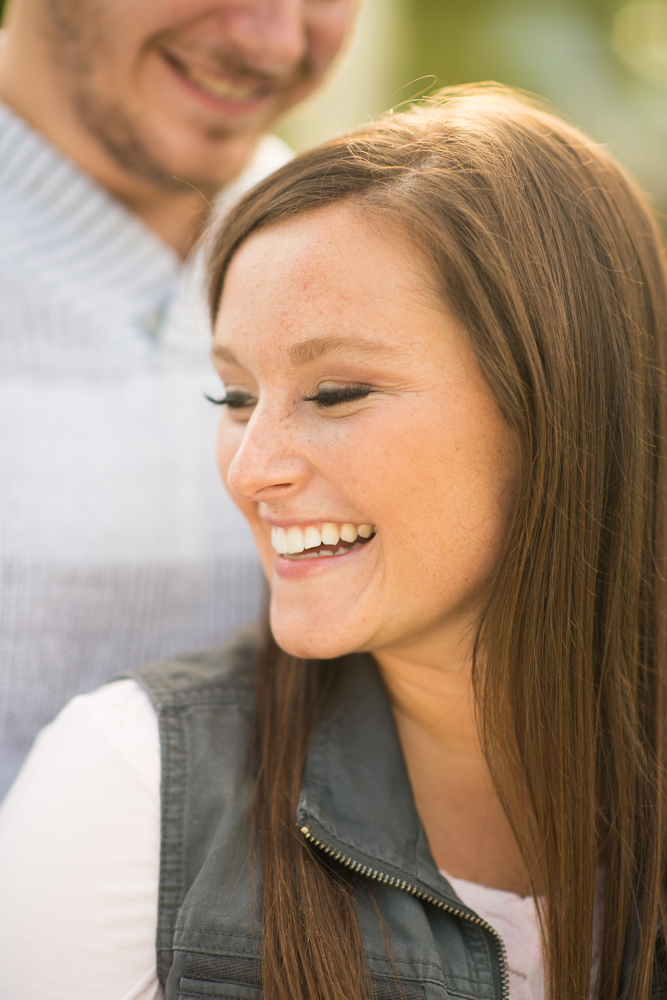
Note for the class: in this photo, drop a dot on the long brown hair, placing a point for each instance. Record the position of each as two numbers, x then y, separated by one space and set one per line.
549 255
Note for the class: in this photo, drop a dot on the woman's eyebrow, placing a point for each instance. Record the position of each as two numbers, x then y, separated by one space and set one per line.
316 347
224 354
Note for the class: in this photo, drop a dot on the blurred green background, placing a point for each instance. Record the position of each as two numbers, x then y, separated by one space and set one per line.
602 62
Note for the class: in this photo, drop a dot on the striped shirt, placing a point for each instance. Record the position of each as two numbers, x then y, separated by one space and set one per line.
118 543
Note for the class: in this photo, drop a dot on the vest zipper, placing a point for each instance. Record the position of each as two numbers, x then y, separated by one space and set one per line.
379 876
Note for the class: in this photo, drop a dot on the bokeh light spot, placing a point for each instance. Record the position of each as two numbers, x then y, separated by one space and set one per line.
639 39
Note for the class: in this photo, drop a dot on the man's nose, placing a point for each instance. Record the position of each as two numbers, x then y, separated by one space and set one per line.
271 36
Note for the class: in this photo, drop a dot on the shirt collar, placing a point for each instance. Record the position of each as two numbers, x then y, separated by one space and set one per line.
56 217
87 244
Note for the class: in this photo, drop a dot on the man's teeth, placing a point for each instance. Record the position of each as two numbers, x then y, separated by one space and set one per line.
220 88
293 540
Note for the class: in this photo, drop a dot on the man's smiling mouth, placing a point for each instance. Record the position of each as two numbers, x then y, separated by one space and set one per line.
218 86
310 542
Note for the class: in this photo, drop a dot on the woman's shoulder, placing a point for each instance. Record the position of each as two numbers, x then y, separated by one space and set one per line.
79 852
226 674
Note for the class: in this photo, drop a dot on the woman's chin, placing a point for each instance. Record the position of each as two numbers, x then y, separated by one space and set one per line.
310 644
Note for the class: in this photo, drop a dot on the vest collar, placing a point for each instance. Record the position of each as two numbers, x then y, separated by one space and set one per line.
356 802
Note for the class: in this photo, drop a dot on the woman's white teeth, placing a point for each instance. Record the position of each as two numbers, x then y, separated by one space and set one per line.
330 534
279 540
311 538
294 540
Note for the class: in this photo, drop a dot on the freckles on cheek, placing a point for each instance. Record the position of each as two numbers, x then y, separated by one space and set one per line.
367 466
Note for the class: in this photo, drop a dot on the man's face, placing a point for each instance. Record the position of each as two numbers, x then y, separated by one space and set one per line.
180 90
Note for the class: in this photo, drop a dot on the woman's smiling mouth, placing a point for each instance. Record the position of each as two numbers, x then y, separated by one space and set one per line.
310 542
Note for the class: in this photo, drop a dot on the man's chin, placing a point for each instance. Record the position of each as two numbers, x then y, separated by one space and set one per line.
207 168
171 156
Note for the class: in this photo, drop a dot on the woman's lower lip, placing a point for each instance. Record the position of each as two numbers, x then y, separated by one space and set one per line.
296 569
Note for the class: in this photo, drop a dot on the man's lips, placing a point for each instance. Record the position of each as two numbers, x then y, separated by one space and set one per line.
226 87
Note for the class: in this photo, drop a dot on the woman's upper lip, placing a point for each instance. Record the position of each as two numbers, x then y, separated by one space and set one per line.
278 522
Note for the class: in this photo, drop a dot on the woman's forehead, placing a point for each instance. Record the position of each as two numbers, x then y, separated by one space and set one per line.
328 279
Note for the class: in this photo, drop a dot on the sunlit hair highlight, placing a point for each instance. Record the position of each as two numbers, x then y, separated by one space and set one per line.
549 256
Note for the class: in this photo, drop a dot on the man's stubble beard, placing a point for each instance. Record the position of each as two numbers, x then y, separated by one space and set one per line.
75 31
115 131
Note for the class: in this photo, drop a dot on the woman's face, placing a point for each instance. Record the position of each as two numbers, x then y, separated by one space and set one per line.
358 406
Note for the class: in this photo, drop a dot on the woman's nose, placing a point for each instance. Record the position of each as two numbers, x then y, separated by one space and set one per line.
267 465
269 35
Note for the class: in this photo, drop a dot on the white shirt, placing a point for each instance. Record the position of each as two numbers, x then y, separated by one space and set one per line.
118 543
79 864
514 918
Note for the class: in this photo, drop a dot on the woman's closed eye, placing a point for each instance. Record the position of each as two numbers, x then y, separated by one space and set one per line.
326 397
333 395
235 399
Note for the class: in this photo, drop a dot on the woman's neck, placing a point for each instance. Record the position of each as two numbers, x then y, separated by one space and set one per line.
433 704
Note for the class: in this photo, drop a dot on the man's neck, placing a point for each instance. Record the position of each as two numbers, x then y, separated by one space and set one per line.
175 215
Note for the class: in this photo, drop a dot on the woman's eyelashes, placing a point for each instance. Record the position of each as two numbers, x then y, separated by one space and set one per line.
332 395
326 397
234 399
